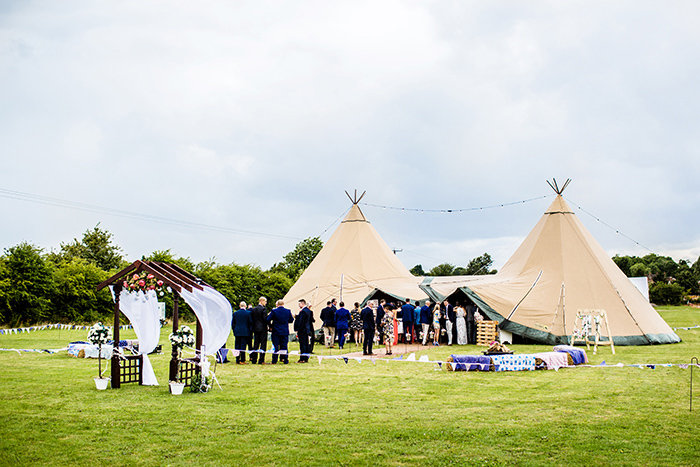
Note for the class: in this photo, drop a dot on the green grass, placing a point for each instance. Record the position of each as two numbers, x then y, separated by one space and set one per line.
388 413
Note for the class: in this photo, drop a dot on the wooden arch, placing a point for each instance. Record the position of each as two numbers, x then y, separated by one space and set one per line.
173 276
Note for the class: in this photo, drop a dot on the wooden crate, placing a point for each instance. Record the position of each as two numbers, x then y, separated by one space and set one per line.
486 331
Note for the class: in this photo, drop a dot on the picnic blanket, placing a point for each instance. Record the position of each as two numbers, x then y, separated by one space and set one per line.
513 362
470 363
553 360
577 355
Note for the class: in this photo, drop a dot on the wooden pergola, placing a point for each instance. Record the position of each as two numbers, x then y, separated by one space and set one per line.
177 279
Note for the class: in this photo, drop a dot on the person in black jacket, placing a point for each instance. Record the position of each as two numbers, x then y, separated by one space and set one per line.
451 323
380 315
368 326
302 325
258 316
328 319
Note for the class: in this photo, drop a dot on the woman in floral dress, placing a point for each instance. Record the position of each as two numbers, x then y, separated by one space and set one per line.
356 323
388 327
436 323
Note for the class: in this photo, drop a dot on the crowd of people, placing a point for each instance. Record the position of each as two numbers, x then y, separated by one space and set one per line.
379 322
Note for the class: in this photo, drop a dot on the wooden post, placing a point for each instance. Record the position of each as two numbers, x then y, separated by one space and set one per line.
115 334
198 345
174 355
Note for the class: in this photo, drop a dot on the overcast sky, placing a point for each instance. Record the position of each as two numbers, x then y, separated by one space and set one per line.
256 116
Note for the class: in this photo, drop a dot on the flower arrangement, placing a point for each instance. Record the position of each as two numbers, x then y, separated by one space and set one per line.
200 384
182 337
99 334
143 281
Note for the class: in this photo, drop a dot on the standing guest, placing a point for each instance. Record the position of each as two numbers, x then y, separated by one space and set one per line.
388 327
407 316
416 321
471 325
241 330
279 320
328 320
303 326
426 319
356 323
380 316
437 317
461 314
443 321
258 317
450 323
368 326
342 324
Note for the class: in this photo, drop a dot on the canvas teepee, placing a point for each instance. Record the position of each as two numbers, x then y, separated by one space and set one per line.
560 269
353 265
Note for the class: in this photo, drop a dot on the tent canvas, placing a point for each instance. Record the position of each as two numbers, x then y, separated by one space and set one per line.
353 265
557 270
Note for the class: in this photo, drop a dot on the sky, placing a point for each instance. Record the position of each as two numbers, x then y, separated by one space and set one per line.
231 130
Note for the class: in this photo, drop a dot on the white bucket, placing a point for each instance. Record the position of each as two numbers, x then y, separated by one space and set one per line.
176 388
101 383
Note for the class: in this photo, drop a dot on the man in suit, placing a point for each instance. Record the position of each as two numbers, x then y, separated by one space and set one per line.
241 330
426 320
407 317
368 326
342 324
279 320
302 324
258 317
450 323
378 321
328 319
471 324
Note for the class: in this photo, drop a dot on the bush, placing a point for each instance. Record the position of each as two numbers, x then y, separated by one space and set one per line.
661 293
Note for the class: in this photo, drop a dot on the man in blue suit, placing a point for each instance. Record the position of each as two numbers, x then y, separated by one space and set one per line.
241 330
407 316
279 320
368 326
342 322
426 320
303 326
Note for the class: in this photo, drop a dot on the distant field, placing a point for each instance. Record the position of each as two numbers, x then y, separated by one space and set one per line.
388 413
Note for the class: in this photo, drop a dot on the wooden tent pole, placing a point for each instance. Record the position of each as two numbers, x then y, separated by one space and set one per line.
115 335
174 355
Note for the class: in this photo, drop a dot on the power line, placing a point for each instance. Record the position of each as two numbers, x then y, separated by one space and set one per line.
450 211
18 195
609 226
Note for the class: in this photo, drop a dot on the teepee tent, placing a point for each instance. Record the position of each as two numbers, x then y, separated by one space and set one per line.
560 269
354 265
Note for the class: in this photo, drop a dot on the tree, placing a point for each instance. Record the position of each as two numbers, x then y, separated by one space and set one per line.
96 247
480 266
444 269
74 296
296 261
417 270
662 293
26 283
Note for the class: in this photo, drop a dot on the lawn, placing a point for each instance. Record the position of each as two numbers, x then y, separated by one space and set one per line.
387 413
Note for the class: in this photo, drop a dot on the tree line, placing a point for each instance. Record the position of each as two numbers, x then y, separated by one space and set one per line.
59 286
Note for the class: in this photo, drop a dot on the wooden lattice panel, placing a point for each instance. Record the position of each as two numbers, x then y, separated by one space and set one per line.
188 368
486 331
130 369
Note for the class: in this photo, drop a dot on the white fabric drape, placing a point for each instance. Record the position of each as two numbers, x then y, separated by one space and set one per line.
214 313
142 312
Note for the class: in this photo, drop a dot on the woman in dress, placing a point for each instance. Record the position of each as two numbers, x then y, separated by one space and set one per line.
356 323
388 327
436 323
461 325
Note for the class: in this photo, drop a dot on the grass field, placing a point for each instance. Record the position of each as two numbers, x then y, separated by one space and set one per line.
388 413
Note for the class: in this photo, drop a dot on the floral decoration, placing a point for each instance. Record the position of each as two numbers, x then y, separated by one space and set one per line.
143 281
99 334
182 337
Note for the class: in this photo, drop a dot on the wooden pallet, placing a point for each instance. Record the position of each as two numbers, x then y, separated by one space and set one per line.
486 331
